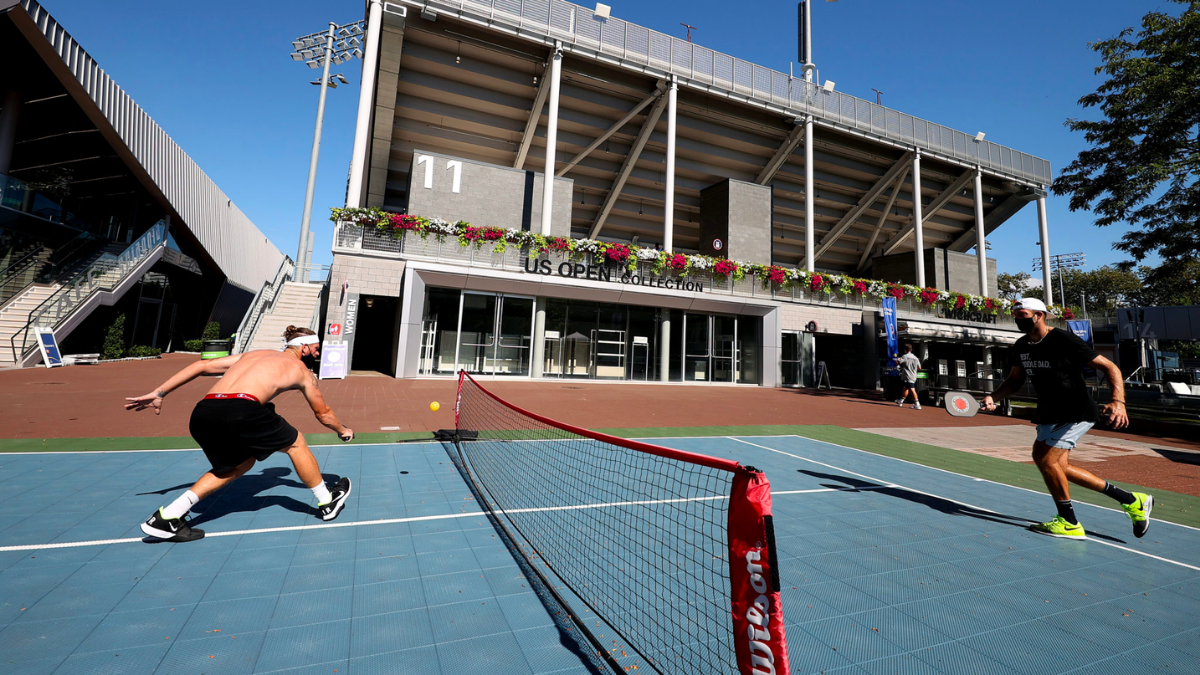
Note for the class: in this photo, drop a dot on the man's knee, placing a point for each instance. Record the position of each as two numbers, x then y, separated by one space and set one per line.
1044 454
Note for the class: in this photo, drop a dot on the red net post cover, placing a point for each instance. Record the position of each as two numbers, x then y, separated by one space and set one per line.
759 639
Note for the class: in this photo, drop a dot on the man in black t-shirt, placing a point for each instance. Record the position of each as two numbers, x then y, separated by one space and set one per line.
1055 358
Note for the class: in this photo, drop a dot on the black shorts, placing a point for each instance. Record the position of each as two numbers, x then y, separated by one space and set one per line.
230 431
909 385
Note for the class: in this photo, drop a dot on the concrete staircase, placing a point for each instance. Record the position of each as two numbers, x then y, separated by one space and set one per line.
296 306
15 315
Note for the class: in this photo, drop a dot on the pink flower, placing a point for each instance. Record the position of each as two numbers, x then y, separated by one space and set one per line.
817 282
960 302
860 287
618 253
677 261
725 267
929 296
896 291
776 274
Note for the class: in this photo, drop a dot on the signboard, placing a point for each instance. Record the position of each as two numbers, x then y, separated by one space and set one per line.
1083 329
717 244
349 324
823 376
333 360
49 347
574 270
335 329
893 335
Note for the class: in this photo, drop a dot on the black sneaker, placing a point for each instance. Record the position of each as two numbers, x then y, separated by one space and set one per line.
331 509
174 530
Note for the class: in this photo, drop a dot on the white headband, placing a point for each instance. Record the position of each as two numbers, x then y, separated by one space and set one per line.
301 340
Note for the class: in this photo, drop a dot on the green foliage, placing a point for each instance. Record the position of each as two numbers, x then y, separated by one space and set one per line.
212 331
193 345
1105 288
1176 283
143 350
1012 286
1143 163
114 341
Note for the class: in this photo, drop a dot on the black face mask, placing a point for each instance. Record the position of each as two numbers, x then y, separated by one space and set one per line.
1025 324
310 362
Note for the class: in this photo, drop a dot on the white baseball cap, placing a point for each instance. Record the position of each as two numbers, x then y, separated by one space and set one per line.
1031 304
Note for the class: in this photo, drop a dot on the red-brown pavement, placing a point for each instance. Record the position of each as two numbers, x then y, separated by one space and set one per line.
86 402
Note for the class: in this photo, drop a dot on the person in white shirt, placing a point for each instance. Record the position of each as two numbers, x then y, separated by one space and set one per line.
909 366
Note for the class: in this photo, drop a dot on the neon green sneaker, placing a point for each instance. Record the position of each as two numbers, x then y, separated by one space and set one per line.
1139 513
1059 527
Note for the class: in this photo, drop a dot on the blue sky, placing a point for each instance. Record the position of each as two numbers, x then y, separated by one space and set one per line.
216 75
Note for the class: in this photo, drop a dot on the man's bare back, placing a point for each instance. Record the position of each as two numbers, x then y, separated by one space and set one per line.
264 374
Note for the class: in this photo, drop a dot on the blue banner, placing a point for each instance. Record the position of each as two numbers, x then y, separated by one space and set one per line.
1083 329
889 325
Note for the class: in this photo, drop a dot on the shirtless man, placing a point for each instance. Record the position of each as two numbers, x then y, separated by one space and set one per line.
235 424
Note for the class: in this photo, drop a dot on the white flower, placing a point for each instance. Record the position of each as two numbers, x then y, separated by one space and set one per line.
943 295
877 288
587 245
699 262
441 226
647 254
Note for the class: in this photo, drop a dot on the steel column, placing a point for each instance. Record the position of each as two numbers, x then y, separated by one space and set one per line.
669 202
1044 233
366 104
609 132
883 218
8 127
551 140
980 235
302 264
627 168
535 115
918 230
810 258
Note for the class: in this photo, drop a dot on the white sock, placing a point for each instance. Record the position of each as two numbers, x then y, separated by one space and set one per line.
322 494
182 504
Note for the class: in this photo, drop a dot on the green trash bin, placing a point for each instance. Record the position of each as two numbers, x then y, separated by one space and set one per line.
215 349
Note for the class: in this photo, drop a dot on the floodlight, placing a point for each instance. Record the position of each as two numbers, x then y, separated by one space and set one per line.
312 64
344 31
308 42
306 53
356 29
297 57
979 136
357 52
603 11
333 83
342 78
428 14
298 45
340 44
828 86
354 42
337 59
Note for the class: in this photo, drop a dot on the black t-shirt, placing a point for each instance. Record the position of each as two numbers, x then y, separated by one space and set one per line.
1056 366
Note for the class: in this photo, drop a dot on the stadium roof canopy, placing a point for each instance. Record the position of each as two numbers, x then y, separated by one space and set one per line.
77 120
461 77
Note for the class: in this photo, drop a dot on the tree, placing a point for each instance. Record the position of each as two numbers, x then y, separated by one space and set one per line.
1013 286
1105 288
1178 284
114 341
1143 163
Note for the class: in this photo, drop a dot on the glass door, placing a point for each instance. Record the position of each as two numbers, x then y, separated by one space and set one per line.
514 331
725 352
476 331
495 334
697 348
790 360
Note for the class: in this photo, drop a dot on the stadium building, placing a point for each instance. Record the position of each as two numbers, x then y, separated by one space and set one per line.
659 142
101 213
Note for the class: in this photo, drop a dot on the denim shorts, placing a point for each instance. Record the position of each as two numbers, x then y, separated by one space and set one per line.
1064 435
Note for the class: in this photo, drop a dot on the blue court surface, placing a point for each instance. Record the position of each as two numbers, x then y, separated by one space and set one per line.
886 567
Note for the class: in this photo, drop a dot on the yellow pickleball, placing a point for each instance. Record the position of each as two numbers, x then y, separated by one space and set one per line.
435 406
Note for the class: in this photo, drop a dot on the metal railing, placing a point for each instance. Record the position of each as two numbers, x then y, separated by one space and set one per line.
21 273
105 274
354 240
580 28
264 300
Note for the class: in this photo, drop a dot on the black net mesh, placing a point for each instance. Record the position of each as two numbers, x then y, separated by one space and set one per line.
640 541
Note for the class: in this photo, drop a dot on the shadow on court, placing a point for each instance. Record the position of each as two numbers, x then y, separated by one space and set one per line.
940 504
242 495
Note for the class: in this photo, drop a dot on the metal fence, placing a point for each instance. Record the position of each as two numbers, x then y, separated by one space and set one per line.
579 27
263 302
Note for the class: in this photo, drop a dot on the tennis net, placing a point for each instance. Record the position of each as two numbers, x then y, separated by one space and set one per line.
665 558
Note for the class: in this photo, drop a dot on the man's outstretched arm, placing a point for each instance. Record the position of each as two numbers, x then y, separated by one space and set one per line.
323 412
1010 385
154 398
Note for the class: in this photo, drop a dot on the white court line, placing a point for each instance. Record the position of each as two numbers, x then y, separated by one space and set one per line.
931 494
952 473
389 521
115 452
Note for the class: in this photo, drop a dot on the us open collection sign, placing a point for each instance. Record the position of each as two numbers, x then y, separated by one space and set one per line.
573 270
